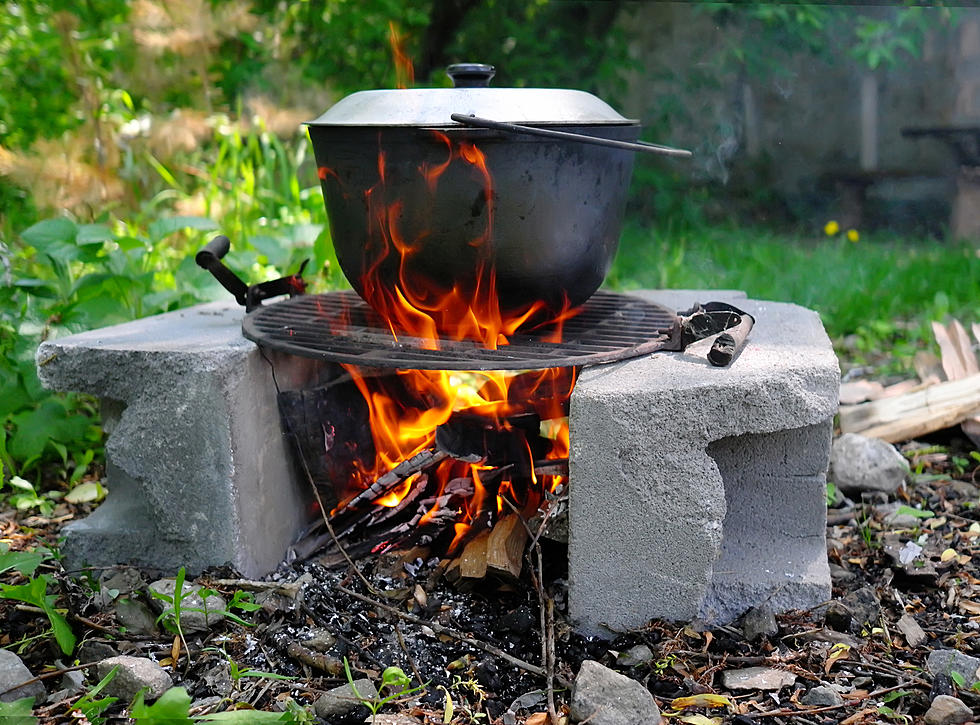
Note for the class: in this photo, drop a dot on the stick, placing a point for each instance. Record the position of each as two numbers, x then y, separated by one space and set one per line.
48 675
826 708
418 462
449 632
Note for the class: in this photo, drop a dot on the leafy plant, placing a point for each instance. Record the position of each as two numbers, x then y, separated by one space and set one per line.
18 712
393 678
91 708
35 593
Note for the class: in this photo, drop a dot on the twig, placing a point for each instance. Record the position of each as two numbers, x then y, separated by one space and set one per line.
408 655
449 632
827 708
420 461
48 675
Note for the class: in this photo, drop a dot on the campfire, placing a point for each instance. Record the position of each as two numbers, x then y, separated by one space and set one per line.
443 420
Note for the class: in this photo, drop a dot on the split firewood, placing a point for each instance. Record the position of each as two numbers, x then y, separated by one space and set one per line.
505 546
473 560
959 362
914 414
419 462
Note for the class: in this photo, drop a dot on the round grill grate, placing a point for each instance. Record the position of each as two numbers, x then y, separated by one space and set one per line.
341 327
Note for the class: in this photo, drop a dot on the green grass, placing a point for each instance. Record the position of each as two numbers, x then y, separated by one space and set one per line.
876 296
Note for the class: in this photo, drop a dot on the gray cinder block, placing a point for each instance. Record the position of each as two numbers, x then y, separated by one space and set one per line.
698 492
197 467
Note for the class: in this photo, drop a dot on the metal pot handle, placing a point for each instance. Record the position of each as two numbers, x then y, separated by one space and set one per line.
651 148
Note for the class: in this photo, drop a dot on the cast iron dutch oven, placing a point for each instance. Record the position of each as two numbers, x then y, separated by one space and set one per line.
411 207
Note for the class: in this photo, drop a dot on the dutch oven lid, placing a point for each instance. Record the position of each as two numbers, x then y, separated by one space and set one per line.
472 96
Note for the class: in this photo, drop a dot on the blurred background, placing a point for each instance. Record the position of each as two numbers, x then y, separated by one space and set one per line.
836 155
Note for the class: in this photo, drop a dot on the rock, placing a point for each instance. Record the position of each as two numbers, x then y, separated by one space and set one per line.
521 620
606 697
894 518
134 674
757 678
866 464
822 696
13 671
135 616
948 661
634 656
190 620
218 679
840 575
914 634
320 640
946 710
342 700
92 650
856 610
759 622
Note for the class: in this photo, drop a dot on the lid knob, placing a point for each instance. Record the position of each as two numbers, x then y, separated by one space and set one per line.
471 75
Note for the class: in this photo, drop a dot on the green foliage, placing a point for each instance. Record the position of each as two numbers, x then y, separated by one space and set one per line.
173 708
18 712
394 679
35 593
92 708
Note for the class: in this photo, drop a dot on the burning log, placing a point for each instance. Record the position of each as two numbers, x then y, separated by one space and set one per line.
419 462
499 550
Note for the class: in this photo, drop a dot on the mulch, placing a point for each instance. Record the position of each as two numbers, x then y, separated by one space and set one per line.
482 645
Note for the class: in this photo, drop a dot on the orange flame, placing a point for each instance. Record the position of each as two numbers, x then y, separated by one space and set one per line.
404 70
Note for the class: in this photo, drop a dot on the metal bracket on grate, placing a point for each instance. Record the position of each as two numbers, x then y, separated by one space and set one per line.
340 327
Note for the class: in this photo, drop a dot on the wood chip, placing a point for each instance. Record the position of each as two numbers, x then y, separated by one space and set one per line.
505 547
913 633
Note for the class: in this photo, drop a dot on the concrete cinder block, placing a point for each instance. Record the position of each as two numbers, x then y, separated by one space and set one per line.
698 492
198 470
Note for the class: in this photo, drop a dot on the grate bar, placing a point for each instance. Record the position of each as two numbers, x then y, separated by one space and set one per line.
340 327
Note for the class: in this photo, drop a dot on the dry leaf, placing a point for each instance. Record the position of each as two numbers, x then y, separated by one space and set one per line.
969 606
700 720
948 554
837 652
538 718
706 700
175 649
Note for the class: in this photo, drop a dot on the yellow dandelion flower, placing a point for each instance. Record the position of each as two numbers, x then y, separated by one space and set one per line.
831 228
852 235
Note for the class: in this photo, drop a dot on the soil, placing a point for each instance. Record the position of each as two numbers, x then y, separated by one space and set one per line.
309 623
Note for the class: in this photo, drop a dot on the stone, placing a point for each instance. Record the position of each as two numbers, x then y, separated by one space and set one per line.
135 673
198 469
342 700
948 661
320 640
197 614
914 634
757 678
946 710
638 655
218 679
822 696
13 672
93 650
723 469
857 610
860 464
135 616
606 697
759 622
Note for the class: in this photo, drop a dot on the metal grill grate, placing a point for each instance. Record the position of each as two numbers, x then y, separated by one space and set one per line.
341 327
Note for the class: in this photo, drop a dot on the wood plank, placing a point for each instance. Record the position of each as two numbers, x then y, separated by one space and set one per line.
914 413
962 340
949 353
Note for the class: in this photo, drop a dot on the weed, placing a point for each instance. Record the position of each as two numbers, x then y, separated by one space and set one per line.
92 709
393 678
35 592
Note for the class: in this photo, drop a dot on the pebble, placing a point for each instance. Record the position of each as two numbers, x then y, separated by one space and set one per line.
606 697
822 696
342 700
759 622
92 650
135 616
757 678
13 671
946 710
858 609
134 674
190 621
947 661
634 656
861 464
320 640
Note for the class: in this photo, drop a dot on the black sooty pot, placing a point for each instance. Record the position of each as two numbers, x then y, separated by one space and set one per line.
516 193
